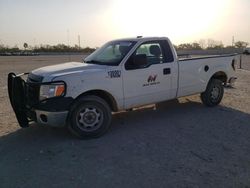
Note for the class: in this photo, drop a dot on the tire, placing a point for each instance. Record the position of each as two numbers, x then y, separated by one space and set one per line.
89 117
213 94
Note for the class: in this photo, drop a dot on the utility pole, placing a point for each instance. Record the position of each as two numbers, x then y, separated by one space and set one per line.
79 42
34 41
68 36
68 44
233 41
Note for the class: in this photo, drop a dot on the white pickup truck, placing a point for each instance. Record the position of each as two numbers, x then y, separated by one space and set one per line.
120 75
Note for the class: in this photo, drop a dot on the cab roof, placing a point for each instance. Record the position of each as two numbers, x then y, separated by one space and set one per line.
137 39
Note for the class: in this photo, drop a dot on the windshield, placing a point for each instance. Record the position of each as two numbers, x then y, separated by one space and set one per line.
111 53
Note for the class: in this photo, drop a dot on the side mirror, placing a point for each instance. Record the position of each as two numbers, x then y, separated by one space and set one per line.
140 60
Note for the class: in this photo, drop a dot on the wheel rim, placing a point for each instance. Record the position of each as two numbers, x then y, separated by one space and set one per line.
215 94
89 118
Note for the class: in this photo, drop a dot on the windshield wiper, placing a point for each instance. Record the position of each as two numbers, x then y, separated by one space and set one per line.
93 62
100 63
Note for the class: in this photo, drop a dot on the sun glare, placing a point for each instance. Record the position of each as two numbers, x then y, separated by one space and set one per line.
179 19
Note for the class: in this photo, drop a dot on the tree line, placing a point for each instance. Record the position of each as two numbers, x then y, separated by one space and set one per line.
209 44
62 48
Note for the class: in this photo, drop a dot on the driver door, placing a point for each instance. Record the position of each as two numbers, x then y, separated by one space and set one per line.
150 83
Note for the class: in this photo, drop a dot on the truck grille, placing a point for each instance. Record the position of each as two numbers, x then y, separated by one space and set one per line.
33 89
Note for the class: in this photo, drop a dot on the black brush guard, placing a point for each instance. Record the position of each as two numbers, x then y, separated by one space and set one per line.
17 95
23 102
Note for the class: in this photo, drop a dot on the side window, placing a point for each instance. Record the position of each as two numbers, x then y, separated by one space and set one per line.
151 50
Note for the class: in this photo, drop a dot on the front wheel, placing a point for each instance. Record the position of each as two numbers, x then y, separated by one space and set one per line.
89 117
213 94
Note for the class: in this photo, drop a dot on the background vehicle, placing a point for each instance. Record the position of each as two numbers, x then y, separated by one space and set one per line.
121 75
247 51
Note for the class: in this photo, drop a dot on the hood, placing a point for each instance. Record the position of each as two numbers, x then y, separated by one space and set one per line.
66 68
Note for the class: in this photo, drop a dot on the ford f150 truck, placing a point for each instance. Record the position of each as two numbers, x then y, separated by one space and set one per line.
120 75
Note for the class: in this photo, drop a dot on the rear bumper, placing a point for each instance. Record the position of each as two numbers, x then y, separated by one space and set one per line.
52 112
232 81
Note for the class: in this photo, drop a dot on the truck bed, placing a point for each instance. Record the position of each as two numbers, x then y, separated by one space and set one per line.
194 73
186 57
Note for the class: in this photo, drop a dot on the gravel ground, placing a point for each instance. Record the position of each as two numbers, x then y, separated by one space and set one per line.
179 143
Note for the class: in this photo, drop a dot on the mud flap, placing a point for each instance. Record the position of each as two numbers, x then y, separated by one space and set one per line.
17 96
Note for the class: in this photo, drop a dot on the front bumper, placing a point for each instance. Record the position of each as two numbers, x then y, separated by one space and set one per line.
51 111
54 119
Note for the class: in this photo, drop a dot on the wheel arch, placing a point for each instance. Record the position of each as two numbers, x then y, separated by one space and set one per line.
102 94
220 75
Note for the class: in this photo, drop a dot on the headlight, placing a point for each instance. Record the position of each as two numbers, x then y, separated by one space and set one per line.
52 90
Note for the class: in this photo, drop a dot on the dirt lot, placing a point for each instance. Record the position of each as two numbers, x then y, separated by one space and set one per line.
177 144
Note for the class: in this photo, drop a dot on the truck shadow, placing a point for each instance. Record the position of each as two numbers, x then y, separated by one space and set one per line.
185 140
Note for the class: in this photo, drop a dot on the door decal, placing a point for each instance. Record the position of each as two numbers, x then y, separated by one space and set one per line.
152 80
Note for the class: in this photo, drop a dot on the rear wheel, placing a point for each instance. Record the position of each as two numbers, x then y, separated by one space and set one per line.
90 117
213 94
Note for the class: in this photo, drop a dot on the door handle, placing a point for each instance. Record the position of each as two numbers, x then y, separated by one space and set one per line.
166 71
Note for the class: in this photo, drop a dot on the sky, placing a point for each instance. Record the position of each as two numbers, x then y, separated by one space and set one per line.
98 21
